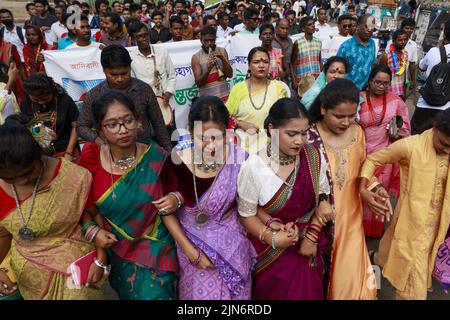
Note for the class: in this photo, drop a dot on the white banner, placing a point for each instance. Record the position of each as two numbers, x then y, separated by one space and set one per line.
78 70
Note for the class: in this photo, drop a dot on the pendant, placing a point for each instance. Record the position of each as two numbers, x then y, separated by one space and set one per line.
201 218
26 234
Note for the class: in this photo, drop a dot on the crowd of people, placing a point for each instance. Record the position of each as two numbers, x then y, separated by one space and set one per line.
284 177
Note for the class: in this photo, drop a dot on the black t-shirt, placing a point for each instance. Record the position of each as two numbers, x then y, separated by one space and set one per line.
47 22
163 36
66 112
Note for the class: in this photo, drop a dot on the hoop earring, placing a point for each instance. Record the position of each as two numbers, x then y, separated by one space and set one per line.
249 74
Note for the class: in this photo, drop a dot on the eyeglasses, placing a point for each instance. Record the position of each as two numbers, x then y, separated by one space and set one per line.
346 26
114 127
381 83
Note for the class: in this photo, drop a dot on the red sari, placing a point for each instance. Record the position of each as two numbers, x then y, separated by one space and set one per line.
31 54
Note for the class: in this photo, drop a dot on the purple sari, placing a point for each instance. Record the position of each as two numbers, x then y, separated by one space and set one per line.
223 239
285 274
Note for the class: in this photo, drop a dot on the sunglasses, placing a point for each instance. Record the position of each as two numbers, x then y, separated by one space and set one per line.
346 26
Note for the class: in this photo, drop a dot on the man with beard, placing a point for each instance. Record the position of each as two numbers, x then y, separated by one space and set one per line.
211 67
83 32
114 31
284 42
158 33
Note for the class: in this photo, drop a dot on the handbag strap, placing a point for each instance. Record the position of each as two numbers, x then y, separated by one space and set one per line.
156 74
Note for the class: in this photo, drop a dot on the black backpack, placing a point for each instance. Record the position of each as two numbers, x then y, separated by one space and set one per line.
19 33
436 91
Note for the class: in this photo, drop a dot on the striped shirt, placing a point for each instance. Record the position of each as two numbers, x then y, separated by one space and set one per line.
308 57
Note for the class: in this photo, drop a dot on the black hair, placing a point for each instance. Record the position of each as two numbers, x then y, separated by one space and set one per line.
85 5
334 59
345 16
183 12
322 8
208 17
6 11
28 5
447 30
363 19
157 13
351 7
266 26
39 84
180 1
135 27
289 12
84 17
249 12
98 3
442 122
275 15
222 15
199 4
377 69
208 31
76 3
18 148
115 56
408 22
334 93
305 21
61 6
397 33
114 3
134 7
176 19
101 104
43 2
115 19
255 50
284 110
3 72
208 108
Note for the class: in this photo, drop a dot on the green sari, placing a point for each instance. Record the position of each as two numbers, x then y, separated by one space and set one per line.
144 259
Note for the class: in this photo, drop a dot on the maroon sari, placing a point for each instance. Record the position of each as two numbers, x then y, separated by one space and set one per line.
284 274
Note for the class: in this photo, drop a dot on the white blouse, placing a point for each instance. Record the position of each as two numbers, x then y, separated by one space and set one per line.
258 183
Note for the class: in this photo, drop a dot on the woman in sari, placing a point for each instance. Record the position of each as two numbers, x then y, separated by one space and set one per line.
342 141
335 68
250 100
214 252
379 108
126 179
41 204
32 51
283 198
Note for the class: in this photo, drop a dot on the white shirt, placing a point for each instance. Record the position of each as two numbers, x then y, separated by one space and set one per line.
13 37
56 31
303 4
432 58
142 68
221 33
92 44
411 48
239 27
321 27
258 183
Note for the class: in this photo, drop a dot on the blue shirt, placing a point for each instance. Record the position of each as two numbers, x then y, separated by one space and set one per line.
360 57
66 41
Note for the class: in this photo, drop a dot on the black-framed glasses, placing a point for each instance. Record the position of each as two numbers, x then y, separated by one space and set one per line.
381 83
346 26
114 127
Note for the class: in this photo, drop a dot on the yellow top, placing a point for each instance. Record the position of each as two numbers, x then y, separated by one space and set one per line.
408 251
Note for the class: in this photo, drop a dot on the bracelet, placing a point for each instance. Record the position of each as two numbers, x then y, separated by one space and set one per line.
163 212
87 225
269 222
312 240
106 268
316 225
92 233
263 233
199 257
175 194
274 233
313 232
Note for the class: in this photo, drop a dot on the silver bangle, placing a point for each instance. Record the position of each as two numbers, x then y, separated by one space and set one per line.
106 268
178 199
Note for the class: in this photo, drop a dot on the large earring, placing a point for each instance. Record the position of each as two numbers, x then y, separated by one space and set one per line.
249 73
